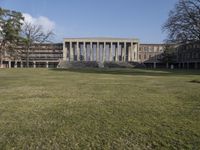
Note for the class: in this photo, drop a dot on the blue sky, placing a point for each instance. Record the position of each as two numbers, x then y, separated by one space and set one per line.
99 18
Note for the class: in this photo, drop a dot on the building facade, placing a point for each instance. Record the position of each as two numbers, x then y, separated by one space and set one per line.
100 49
103 50
188 56
151 54
40 56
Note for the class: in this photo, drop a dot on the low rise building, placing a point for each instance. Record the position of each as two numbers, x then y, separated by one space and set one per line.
188 55
45 55
151 54
48 55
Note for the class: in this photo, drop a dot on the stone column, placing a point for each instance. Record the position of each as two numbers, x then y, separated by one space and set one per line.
91 52
132 52
97 52
129 54
154 65
78 52
71 52
34 64
111 51
9 64
47 64
115 53
64 52
84 51
21 64
15 64
1 64
104 51
137 51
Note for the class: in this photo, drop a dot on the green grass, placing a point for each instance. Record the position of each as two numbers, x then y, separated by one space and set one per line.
99 109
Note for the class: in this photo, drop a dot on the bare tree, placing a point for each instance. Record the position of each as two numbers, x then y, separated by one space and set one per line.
34 34
169 55
183 24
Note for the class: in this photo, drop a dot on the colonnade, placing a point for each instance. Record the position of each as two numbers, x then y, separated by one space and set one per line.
100 50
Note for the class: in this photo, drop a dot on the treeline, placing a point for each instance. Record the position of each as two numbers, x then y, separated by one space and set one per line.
14 31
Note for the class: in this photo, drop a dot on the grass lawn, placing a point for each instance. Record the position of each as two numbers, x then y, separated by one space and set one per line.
99 109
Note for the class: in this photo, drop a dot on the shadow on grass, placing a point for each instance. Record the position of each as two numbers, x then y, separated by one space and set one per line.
195 81
137 72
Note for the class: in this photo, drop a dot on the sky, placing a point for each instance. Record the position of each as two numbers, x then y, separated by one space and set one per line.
142 19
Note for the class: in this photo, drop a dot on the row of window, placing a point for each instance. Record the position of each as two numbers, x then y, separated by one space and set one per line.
46 59
192 46
46 53
190 56
151 49
145 57
46 56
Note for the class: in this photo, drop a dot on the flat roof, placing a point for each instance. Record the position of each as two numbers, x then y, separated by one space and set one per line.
102 39
152 44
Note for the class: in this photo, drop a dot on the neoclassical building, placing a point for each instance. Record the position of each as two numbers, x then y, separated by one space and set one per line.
100 49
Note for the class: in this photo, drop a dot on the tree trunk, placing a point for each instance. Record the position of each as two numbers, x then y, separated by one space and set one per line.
1 54
27 57
1 60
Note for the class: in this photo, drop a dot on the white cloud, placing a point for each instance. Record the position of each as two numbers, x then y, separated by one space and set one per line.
42 21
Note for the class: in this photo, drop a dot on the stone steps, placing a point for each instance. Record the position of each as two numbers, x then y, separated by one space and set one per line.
118 65
94 64
78 64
